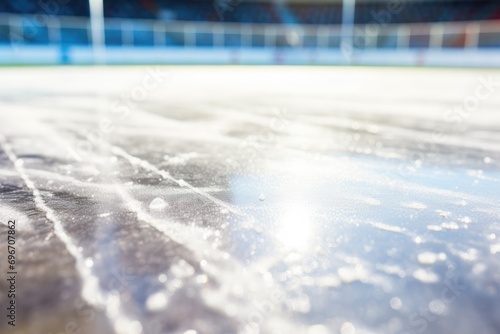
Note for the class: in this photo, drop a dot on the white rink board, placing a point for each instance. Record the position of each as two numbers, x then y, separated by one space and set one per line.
26 55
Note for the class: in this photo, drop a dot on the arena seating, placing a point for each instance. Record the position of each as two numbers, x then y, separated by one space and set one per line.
264 12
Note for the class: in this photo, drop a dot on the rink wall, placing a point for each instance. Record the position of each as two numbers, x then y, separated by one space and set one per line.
54 55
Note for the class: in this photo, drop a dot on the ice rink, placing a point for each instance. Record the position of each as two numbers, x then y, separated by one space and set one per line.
224 200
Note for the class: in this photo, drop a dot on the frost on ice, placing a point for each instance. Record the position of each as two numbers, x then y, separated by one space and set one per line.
196 215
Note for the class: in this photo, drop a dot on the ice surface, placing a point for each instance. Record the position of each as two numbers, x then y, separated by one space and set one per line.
251 200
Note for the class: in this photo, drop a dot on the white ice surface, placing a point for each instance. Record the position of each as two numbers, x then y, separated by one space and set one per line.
252 200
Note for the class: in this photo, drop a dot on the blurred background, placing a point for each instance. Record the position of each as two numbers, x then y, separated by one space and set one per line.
324 32
183 199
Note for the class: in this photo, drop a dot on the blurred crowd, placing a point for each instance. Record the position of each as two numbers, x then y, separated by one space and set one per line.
264 12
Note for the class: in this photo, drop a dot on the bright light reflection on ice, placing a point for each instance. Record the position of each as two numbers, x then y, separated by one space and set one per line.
294 229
